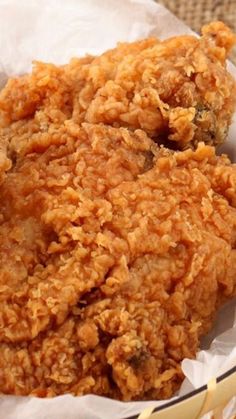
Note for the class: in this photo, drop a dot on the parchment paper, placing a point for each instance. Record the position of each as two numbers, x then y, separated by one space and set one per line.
55 31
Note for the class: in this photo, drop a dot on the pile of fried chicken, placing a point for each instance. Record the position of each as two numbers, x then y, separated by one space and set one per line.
117 218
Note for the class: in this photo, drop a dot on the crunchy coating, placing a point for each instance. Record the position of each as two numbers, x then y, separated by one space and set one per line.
115 255
178 90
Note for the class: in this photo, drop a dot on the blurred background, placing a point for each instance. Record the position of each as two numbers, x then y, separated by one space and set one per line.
196 13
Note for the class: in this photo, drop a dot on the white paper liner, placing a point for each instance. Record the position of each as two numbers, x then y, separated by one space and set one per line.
54 31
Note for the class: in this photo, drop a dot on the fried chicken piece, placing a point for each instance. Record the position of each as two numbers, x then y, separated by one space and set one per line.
178 90
115 255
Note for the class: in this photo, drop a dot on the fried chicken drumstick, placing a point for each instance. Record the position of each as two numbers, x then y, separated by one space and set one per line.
115 252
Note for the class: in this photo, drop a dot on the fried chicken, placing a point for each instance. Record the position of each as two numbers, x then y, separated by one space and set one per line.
115 255
115 252
178 90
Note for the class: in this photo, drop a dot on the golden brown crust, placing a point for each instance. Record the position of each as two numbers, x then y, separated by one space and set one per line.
114 257
177 90
115 253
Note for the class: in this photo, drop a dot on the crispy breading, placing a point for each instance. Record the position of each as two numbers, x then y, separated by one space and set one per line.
115 252
177 90
115 255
